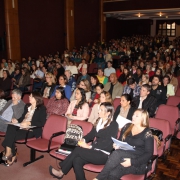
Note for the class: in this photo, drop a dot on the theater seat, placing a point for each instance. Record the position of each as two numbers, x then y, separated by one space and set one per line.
52 137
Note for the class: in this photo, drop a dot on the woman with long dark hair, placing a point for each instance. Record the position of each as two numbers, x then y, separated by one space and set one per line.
122 162
96 153
78 108
58 104
34 115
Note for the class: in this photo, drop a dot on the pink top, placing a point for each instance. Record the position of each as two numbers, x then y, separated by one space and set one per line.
82 114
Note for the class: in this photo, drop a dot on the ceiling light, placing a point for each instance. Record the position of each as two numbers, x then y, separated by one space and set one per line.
139 15
160 14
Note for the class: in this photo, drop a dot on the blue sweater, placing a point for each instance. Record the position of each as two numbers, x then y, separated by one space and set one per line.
67 90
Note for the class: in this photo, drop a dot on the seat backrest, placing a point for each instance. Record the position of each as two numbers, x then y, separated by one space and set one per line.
177 92
160 124
55 123
92 68
45 101
26 98
116 102
173 100
86 126
169 113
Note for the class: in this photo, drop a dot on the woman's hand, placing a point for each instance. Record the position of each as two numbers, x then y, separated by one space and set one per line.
69 116
115 146
14 121
25 124
83 144
127 162
90 100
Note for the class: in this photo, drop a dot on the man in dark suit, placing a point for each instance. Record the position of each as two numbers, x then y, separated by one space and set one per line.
145 100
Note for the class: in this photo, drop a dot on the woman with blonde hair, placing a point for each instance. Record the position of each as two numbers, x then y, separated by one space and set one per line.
49 85
122 162
144 79
104 97
84 84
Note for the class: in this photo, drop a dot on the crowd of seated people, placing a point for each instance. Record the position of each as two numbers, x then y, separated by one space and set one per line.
145 78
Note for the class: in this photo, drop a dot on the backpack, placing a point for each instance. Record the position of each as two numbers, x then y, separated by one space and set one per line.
73 134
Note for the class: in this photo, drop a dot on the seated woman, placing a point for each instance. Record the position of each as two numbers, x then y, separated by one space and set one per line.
169 87
95 99
78 108
34 115
82 65
84 84
104 97
63 83
2 100
102 79
58 104
48 86
23 80
94 82
144 79
122 162
124 111
5 82
98 152
123 77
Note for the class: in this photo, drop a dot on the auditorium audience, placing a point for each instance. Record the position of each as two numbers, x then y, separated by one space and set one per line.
34 115
102 132
58 104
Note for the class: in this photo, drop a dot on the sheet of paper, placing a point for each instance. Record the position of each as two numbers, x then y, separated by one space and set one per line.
122 121
123 145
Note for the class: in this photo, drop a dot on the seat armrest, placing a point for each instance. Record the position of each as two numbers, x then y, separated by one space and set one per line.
30 129
54 135
178 121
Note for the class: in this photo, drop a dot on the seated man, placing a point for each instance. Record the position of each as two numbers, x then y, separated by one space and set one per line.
13 109
114 87
132 88
158 91
109 69
71 80
84 76
145 100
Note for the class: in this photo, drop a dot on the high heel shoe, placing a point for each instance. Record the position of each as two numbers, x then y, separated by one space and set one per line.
5 158
13 160
54 176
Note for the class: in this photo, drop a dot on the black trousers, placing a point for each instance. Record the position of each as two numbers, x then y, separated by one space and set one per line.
13 134
113 170
79 157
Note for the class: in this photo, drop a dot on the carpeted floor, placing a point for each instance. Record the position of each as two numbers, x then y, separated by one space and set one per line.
36 171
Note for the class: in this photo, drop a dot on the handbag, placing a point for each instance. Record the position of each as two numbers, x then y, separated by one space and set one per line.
157 132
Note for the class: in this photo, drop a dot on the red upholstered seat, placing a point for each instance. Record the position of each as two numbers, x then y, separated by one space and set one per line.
169 113
52 136
173 100
116 102
2 134
164 126
26 98
22 141
177 92
86 126
45 101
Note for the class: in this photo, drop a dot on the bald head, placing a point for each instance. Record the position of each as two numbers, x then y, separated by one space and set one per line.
84 71
113 78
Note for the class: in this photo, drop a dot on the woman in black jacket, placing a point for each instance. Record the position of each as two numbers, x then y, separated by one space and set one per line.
98 152
34 115
124 111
